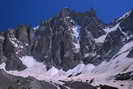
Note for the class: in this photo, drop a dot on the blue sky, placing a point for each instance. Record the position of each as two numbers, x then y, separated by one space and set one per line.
14 12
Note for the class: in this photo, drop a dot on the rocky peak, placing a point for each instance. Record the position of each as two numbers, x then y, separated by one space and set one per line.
65 12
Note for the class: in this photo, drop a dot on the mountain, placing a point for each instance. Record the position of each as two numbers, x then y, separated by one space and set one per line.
69 50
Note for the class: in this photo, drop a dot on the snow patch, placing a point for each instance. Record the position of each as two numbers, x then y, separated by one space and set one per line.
101 74
76 31
35 28
124 33
110 29
125 48
86 55
76 37
81 68
29 61
102 38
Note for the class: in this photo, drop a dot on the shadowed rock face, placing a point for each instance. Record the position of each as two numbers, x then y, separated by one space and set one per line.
65 41
61 41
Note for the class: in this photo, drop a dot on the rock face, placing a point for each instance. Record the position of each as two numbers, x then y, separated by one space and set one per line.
66 40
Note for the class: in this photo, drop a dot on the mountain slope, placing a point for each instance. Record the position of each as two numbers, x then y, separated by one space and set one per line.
71 46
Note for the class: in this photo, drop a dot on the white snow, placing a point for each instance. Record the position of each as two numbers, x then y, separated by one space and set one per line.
14 41
29 61
2 38
105 72
102 74
125 34
35 28
76 47
110 29
76 36
38 70
102 38
75 30
126 47
86 55
81 68
53 71
125 15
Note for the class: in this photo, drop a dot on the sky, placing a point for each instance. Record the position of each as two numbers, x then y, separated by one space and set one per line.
15 12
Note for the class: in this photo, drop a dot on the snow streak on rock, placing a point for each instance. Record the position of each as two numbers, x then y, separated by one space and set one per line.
102 38
76 37
125 15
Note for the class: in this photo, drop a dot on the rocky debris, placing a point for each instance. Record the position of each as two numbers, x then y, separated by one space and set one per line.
107 87
124 76
78 85
9 81
14 82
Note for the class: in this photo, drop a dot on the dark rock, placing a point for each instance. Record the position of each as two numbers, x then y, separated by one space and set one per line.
124 76
15 65
121 85
79 85
107 87
130 55
14 82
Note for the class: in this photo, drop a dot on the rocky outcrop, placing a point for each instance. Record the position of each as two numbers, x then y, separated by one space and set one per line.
124 76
